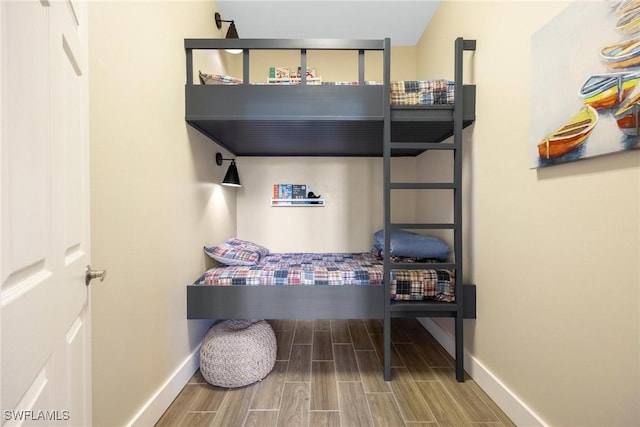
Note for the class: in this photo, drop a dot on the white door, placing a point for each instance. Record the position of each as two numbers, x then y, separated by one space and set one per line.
44 214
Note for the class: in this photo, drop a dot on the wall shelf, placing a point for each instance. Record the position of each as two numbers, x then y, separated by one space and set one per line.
297 202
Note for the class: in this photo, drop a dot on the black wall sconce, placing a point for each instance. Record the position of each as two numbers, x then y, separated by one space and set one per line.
232 33
231 178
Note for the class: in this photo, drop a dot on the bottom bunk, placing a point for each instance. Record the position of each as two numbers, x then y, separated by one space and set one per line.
256 284
317 286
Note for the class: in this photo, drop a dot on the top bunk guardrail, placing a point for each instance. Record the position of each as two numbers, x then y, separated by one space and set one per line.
310 119
302 45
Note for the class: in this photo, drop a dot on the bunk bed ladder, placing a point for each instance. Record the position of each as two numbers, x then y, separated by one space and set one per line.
417 308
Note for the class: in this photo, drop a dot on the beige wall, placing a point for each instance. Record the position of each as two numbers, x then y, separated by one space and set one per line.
554 252
351 187
154 198
330 65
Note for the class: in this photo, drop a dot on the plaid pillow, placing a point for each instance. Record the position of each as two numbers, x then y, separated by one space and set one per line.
218 79
232 255
247 245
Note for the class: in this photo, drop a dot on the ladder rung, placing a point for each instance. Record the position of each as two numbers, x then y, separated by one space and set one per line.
423 146
417 306
422 186
424 265
431 226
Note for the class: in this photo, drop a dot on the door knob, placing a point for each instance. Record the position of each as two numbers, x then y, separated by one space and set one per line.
91 274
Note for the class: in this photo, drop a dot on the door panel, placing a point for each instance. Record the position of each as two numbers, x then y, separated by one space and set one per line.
44 212
26 244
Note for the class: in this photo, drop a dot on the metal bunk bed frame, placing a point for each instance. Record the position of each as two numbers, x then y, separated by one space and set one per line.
251 117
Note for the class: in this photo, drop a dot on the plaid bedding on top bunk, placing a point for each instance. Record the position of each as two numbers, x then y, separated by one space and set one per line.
403 92
422 92
334 269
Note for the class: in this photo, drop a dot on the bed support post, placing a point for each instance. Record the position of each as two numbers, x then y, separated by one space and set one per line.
303 66
245 67
458 117
386 100
457 172
189 56
361 67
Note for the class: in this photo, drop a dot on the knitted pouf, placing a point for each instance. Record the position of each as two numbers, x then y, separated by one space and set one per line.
236 353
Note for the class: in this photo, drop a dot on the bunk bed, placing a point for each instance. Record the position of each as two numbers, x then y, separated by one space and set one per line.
335 120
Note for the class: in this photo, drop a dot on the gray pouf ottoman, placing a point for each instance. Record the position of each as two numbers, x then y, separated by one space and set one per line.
236 353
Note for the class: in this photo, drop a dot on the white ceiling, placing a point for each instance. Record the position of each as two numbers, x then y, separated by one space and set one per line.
403 21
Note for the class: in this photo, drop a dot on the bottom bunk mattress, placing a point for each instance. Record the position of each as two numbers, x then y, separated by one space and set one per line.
335 269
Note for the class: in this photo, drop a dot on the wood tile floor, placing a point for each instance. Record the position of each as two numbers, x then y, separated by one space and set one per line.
329 373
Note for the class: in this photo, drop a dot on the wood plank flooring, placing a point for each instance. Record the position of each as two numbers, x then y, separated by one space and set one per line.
329 373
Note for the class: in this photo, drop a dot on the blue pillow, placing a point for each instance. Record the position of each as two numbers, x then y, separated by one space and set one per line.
409 244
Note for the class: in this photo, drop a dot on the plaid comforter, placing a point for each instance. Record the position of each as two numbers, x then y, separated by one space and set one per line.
422 92
334 269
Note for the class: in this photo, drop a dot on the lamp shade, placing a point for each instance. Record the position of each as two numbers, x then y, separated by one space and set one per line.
232 33
231 178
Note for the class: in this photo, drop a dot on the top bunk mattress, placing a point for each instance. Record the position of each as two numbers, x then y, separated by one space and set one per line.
334 269
403 92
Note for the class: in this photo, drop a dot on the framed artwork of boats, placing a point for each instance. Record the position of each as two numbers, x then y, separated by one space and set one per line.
585 83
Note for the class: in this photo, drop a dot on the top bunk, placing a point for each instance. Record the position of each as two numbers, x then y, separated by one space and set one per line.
306 117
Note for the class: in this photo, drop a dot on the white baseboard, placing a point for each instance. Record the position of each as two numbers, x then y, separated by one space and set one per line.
153 409
511 404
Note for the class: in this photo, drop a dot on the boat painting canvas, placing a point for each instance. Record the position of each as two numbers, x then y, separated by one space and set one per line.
585 83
